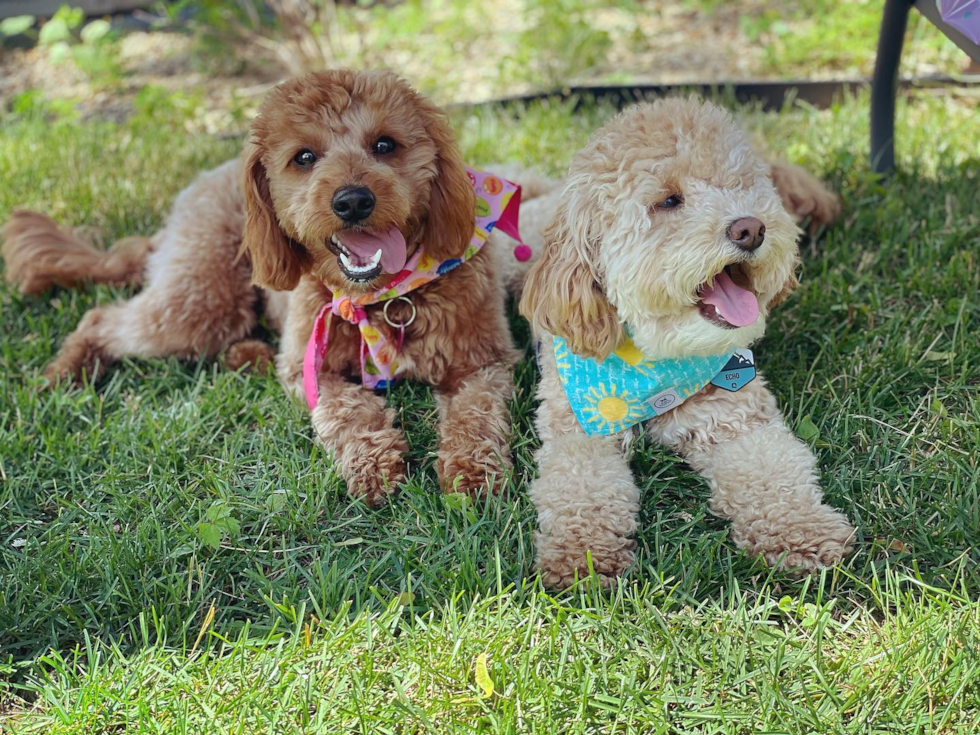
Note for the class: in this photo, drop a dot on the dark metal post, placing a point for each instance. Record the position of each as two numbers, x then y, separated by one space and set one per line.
885 83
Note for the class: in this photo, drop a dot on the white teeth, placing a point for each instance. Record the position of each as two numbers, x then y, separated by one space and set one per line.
358 269
717 312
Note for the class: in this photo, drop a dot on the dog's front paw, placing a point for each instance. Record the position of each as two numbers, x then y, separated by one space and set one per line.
373 464
367 449
374 475
476 479
566 557
805 543
476 474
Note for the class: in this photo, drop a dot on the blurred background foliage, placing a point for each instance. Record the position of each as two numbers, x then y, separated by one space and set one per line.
218 57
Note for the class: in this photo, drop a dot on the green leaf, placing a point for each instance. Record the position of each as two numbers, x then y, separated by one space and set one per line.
96 31
217 510
807 430
71 17
455 501
483 679
59 52
350 541
16 25
209 534
53 32
460 502
229 525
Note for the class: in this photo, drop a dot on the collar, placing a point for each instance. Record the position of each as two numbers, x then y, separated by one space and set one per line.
628 388
497 206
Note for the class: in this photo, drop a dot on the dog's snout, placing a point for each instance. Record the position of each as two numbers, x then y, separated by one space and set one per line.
747 232
353 203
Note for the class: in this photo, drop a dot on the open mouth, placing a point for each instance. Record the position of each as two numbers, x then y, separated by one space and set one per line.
353 266
727 300
363 255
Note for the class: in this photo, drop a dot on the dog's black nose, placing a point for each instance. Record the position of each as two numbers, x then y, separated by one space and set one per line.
353 203
747 232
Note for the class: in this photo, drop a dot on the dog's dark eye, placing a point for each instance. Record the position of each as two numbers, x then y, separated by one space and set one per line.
305 158
384 145
671 202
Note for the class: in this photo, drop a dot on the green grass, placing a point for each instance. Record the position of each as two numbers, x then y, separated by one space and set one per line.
316 614
838 38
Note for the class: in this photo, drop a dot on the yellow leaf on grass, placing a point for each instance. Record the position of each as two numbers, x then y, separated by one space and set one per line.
208 619
483 676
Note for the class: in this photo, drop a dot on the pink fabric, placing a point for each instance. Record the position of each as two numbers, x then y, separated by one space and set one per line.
497 205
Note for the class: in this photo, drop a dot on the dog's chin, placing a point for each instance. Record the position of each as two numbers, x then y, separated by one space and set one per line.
334 278
691 335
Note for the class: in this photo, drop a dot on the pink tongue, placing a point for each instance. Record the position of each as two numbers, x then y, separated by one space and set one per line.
364 245
737 306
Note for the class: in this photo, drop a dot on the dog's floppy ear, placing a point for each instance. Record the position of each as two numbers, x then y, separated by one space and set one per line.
564 292
452 202
277 261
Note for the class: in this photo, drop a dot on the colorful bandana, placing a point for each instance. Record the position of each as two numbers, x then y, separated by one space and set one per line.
497 205
626 388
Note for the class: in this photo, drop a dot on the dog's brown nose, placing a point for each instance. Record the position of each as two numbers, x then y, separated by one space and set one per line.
747 232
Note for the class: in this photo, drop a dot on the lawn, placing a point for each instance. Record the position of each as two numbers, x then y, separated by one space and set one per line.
178 556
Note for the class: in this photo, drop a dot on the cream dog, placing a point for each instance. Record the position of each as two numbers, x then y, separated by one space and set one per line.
670 244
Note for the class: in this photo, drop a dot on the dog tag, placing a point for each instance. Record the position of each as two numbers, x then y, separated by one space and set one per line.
738 372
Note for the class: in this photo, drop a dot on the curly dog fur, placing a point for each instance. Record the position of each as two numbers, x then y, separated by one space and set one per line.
614 256
256 233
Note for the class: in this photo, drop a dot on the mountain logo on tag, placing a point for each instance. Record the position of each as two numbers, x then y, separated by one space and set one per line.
738 372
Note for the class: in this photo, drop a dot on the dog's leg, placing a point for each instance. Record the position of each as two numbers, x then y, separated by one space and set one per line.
474 429
164 320
351 422
252 355
197 297
762 477
804 195
585 496
354 424
304 303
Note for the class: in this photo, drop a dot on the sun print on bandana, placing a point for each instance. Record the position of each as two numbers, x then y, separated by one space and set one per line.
612 409
628 388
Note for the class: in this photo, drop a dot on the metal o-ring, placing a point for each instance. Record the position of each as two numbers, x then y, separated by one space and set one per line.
403 324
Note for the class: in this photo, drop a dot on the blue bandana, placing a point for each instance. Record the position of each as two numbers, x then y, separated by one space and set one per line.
626 388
